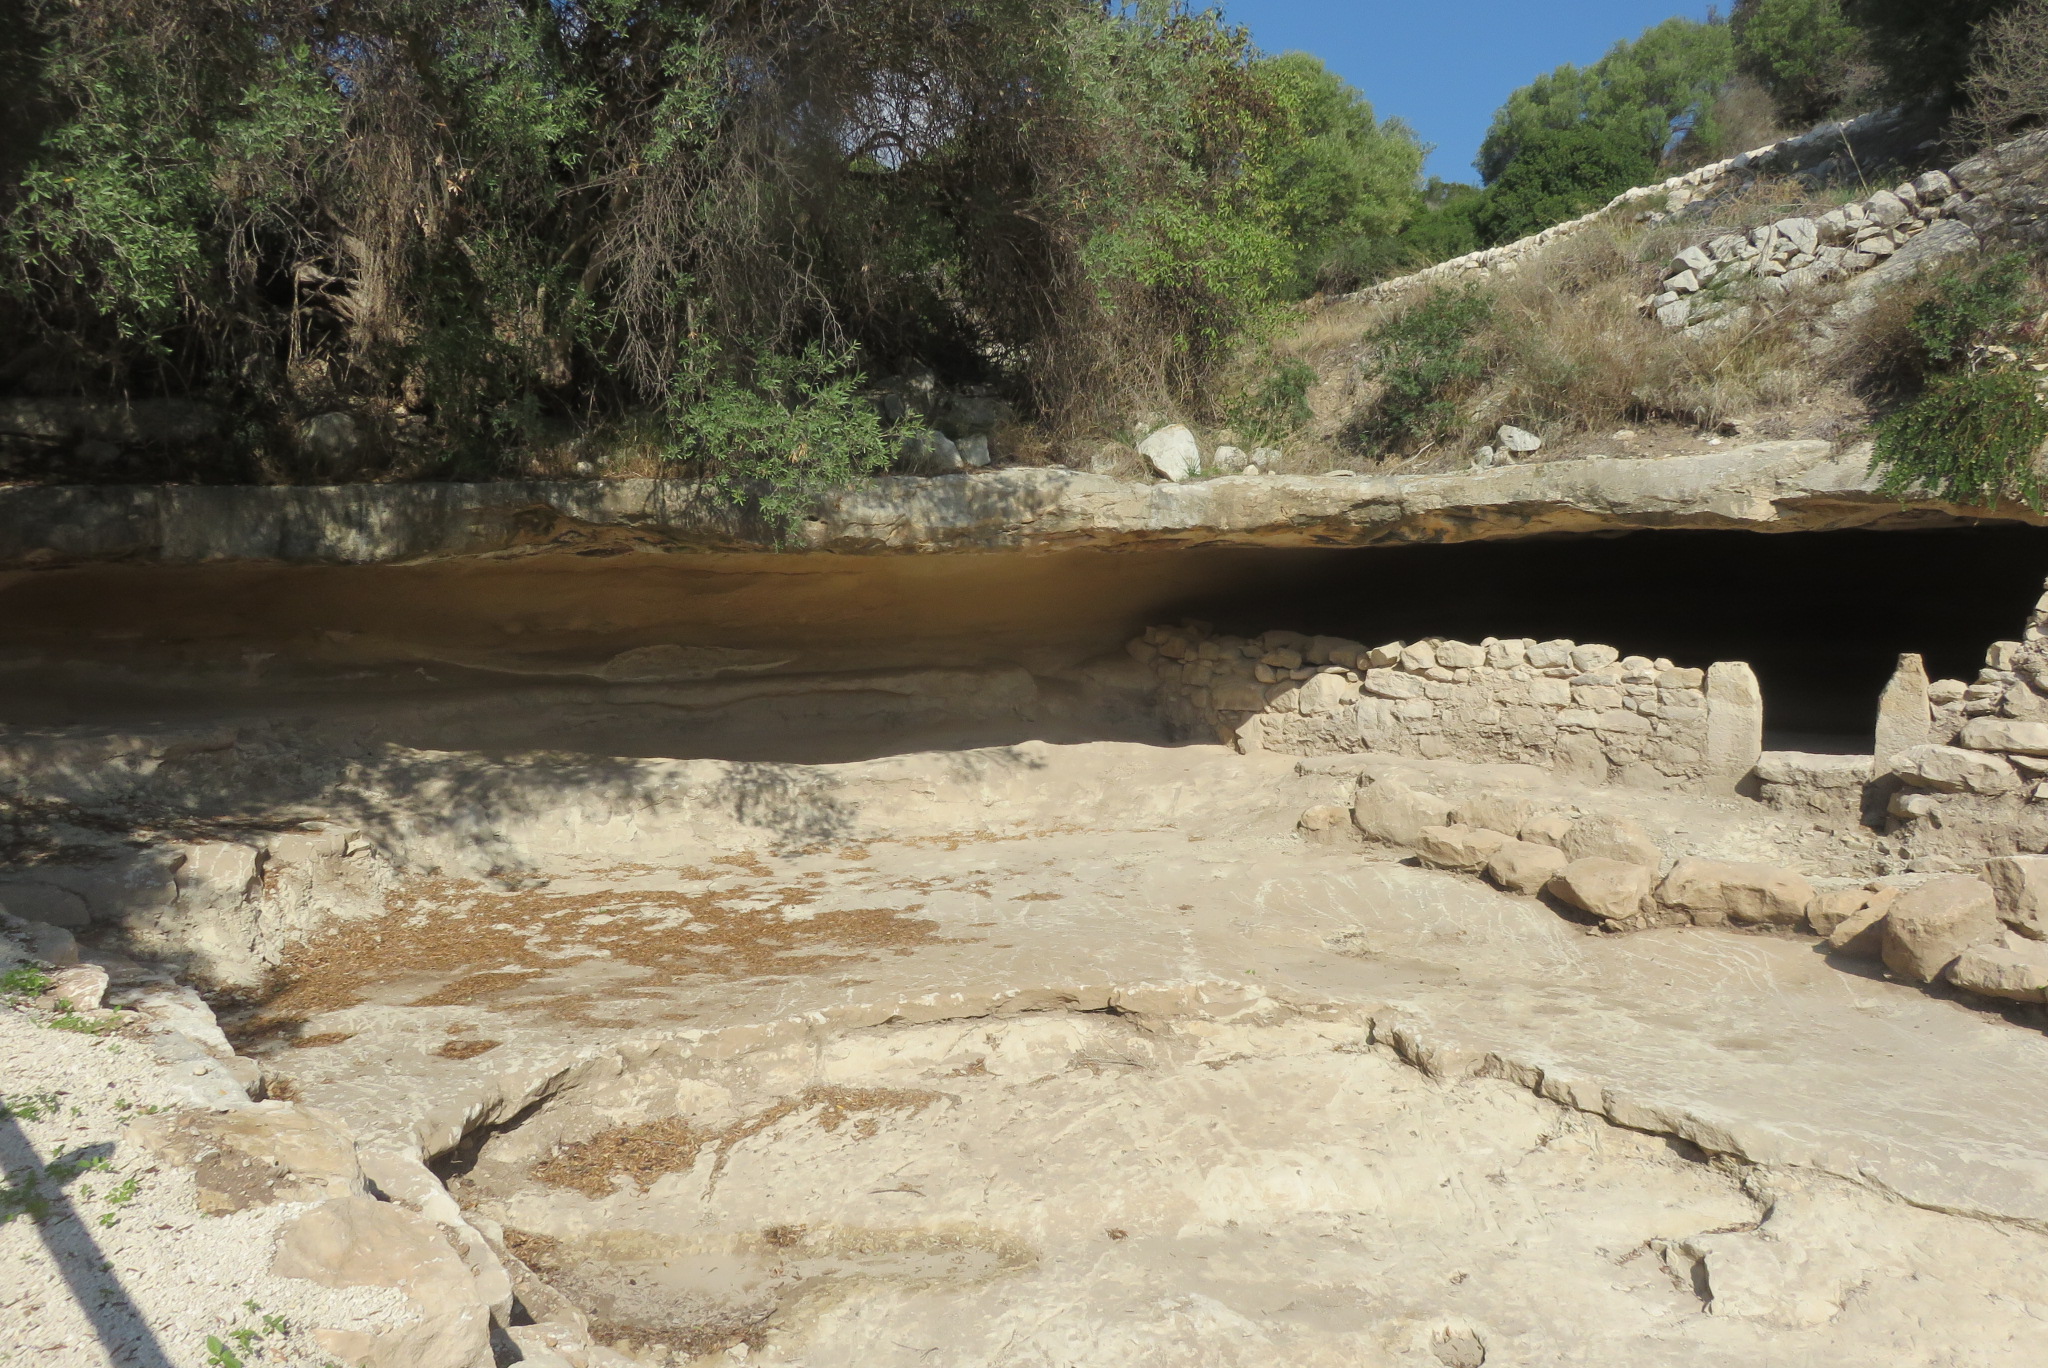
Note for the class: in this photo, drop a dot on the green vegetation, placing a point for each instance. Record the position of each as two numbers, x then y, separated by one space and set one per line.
1924 48
1972 438
484 228
1425 361
1559 174
1275 404
1975 434
24 981
1968 307
29 1106
1804 53
221 1353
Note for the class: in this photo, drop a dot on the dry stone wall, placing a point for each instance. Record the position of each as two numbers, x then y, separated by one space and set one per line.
1997 195
1585 711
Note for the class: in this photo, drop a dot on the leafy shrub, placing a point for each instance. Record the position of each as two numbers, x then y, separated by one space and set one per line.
771 442
1970 306
1971 438
1276 404
1426 360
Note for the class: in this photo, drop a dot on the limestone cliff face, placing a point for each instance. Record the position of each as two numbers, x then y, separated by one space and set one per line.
1768 487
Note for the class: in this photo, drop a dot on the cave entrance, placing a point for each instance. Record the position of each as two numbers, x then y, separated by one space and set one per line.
849 657
1821 616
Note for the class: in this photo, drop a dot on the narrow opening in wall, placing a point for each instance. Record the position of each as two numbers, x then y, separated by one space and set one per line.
1821 616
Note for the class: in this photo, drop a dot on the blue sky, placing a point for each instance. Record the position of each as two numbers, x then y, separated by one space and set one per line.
1446 65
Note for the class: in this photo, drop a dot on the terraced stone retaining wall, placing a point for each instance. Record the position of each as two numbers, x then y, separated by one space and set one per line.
1586 711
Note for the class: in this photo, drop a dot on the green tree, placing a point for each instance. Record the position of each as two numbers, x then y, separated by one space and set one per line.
470 223
1800 51
1924 47
1648 92
1560 174
1327 172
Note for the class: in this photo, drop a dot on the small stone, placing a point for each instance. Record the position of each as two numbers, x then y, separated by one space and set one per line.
1861 935
1229 460
1692 259
1612 890
1381 657
1548 828
2004 734
1929 926
1266 458
1684 283
1886 208
1458 655
974 449
1323 817
78 988
1418 656
1517 440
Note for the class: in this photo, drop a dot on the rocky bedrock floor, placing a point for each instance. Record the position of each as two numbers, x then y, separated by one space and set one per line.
1130 1073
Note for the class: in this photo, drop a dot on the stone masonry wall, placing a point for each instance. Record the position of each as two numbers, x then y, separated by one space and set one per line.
1585 711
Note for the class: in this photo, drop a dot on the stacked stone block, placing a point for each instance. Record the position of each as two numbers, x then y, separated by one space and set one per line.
1583 710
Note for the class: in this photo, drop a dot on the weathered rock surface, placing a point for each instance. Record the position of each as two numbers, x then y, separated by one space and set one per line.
1716 892
1775 486
1525 867
1391 812
358 1241
1927 927
2020 883
1610 889
257 1156
1458 847
2006 966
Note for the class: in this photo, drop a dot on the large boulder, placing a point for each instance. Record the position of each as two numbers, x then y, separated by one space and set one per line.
1172 452
362 1242
1525 867
1929 926
1952 769
1458 847
1390 811
1612 890
2020 883
1716 892
2006 966
1611 838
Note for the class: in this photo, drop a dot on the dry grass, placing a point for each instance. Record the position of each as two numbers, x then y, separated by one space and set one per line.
646 1151
1569 349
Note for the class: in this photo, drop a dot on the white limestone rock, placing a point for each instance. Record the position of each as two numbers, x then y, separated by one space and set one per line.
1951 769
1172 452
